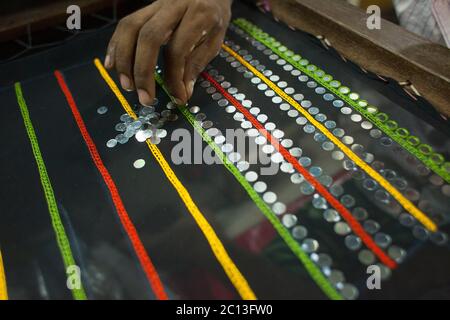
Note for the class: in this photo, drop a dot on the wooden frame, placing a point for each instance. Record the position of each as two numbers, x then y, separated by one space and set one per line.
391 51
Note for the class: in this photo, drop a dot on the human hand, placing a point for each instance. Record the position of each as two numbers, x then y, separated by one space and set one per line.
191 32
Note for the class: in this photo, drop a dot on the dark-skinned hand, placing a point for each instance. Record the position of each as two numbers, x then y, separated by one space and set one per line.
190 32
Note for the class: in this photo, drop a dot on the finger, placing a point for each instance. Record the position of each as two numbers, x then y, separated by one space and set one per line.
109 58
151 37
123 43
200 58
196 24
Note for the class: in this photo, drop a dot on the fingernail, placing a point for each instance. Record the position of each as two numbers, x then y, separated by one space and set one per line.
108 61
190 87
125 82
167 37
144 97
178 101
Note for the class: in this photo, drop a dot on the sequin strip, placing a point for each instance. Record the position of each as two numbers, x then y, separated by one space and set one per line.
419 231
371 225
127 224
353 223
233 273
3 288
58 227
310 267
408 205
423 152
398 181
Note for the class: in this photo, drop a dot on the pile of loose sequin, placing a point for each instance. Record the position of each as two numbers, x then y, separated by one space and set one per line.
148 125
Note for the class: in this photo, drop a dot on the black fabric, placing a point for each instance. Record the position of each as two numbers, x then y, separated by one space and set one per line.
179 251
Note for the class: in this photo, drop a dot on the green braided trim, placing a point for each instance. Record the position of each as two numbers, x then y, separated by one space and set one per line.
58 227
311 268
402 136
